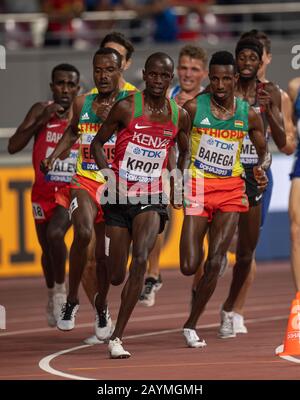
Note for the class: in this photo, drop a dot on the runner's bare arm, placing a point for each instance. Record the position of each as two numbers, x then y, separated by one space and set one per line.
289 127
35 120
258 139
117 118
182 138
68 138
270 98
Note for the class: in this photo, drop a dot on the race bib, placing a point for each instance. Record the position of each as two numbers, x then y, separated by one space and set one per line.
38 212
62 170
142 164
216 156
87 160
109 149
248 152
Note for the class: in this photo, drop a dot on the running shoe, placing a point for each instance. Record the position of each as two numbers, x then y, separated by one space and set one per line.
226 327
66 320
238 323
151 286
192 339
103 324
116 350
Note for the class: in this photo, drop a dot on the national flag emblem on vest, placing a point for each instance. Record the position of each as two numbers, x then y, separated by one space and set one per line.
238 124
168 132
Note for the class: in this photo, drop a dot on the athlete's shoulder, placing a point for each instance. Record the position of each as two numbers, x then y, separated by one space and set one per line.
129 87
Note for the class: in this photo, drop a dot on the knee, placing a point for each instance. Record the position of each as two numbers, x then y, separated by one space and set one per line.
188 266
82 236
118 278
244 259
55 235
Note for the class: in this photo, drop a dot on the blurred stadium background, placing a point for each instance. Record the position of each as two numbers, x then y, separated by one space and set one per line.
37 35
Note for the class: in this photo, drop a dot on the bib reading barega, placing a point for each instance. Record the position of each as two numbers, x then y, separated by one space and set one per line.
216 156
142 164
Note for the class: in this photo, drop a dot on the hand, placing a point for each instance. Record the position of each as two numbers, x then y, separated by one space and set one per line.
261 178
182 98
264 99
50 111
46 165
176 197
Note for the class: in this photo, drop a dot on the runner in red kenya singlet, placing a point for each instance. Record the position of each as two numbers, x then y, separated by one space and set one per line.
46 122
148 124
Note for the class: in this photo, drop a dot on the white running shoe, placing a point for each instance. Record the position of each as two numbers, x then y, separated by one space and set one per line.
226 327
103 324
66 320
59 298
50 313
93 340
238 323
192 339
116 349
151 286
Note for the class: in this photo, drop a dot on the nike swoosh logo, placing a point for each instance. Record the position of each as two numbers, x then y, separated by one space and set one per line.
148 205
52 125
137 126
257 198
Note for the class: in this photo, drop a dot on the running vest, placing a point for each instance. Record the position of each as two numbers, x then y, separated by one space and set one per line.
44 145
297 115
127 86
142 148
216 143
249 156
88 126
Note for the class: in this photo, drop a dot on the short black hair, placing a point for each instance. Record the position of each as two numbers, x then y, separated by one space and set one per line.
261 36
104 51
222 58
161 56
118 37
250 43
65 67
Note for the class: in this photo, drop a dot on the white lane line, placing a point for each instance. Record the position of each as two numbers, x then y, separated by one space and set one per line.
280 348
136 319
44 364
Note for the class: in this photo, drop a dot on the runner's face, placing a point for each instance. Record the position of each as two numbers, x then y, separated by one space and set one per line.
158 76
64 87
191 72
122 51
248 64
222 81
106 73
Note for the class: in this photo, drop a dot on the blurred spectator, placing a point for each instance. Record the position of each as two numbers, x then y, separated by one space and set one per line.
21 6
198 15
60 15
164 18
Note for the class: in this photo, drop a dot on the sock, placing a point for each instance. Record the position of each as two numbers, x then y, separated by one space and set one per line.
60 287
50 292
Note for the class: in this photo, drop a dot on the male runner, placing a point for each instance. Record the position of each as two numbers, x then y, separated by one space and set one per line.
90 110
191 71
46 122
148 124
220 123
266 98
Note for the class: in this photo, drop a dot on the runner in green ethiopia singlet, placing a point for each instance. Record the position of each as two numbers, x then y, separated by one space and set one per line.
216 151
88 126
